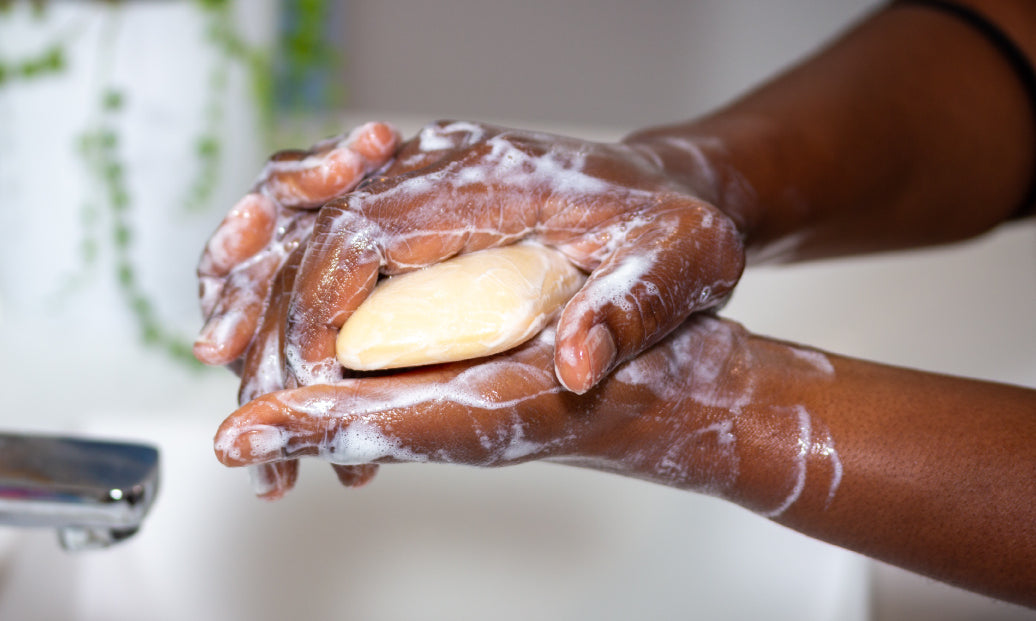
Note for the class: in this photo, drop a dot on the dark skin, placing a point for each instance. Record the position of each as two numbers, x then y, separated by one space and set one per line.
908 131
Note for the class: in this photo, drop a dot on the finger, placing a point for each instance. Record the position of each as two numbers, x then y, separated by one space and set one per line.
502 411
263 373
375 142
245 230
684 258
236 313
273 480
434 142
263 362
457 205
242 296
309 179
338 271
295 423
355 476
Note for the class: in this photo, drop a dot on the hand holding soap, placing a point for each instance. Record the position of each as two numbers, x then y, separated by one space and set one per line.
473 305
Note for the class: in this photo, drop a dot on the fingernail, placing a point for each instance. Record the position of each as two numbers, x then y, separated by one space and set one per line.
252 445
211 345
206 350
601 352
595 360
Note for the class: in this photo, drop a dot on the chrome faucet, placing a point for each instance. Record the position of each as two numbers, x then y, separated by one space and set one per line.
95 493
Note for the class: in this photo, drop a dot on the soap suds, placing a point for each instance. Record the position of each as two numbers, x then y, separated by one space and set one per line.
703 369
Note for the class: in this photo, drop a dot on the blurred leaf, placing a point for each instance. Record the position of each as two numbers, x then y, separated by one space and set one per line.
112 100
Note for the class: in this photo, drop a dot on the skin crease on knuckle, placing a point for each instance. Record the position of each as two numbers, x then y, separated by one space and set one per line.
681 403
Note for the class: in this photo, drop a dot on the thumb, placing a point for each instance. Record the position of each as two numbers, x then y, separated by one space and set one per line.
686 257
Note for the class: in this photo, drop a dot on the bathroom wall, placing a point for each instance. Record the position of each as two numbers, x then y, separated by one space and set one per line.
589 62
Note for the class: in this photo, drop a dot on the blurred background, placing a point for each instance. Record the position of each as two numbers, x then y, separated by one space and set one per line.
127 129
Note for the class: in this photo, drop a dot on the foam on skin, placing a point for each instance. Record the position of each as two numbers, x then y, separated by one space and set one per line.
492 187
333 167
254 239
552 192
697 387
716 384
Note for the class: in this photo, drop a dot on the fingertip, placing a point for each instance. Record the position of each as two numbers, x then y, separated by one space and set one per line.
273 480
355 476
375 141
206 349
581 363
240 441
206 352
244 231
218 343
314 180
246 447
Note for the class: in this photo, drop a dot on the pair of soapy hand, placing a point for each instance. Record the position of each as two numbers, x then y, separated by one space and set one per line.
610 385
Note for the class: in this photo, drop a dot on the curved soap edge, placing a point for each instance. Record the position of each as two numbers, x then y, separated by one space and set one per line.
471 306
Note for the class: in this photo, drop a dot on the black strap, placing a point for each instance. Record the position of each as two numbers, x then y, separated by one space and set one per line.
1011 52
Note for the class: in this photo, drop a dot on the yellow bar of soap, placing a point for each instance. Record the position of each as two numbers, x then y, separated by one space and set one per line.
470 306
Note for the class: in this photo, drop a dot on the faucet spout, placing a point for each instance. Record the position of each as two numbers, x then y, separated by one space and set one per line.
94 492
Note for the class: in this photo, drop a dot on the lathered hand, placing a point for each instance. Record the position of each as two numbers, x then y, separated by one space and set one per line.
261 230
656 252
249 248
856 453
673 415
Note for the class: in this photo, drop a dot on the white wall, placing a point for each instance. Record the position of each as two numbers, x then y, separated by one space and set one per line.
607 62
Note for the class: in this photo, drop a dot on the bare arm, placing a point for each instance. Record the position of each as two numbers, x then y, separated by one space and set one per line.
938 472
912 129
933 473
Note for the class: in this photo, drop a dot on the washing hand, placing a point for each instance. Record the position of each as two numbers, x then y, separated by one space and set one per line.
676 415
655 251
242 257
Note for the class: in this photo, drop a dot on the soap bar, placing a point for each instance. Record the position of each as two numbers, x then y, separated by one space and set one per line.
470 306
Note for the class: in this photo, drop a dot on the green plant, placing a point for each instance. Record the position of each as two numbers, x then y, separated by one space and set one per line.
303 48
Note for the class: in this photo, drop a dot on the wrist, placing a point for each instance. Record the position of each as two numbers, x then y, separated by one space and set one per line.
788 463
738 163
729 416
785 460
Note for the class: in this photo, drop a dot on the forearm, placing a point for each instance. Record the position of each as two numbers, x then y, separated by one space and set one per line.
933 473
912 129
